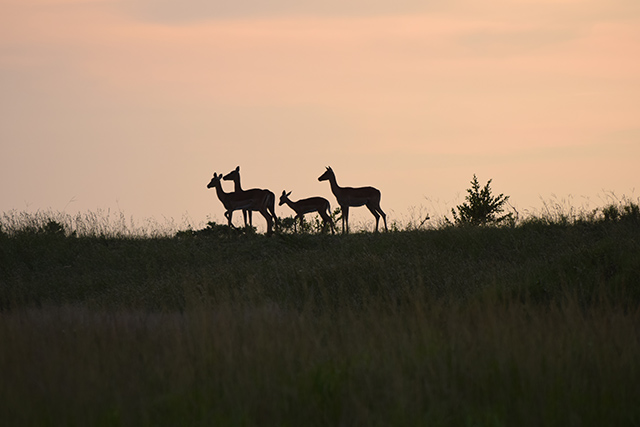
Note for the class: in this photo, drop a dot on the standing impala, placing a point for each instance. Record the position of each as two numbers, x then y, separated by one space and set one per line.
236 201
349 196
312 204
270 198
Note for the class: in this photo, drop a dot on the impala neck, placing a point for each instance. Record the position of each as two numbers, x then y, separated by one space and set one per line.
335 188
291 204
236 183
219 191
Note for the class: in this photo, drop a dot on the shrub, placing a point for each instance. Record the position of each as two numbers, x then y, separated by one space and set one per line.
481 207
218 231
291 225
627 212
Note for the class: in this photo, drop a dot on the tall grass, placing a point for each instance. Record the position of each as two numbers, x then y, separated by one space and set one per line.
101 223
480 363
534 324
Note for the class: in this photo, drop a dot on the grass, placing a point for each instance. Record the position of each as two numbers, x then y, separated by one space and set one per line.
534 324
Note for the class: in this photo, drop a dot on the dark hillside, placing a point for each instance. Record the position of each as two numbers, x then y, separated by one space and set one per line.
536 260
530 325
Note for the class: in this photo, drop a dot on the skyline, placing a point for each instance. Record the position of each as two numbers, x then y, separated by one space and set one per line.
133 105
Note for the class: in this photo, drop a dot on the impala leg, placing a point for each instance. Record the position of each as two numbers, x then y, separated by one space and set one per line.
295 223
229 215
244 215
326 219
375 214
381 212
376 211
384 218
266 216
345 218
271 207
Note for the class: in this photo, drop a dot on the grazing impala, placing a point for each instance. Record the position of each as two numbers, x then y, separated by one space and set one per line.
236 201
349 196
270 200
312 204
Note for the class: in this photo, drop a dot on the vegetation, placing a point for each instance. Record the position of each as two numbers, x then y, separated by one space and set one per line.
316 225
481 207
534 323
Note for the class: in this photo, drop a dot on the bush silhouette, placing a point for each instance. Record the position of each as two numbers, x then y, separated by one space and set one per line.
481 207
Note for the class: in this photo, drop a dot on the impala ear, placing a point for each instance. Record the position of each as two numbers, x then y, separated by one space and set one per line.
237 168
289 193
284 192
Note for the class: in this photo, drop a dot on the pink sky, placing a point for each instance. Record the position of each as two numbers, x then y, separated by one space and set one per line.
133 105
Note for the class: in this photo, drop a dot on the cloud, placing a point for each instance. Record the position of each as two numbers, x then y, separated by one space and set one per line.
516 41
181 11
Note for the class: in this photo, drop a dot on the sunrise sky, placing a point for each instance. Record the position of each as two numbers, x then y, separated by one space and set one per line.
132 105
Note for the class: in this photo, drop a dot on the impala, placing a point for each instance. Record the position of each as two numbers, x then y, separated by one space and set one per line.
349 196
270 198
237 201
312 204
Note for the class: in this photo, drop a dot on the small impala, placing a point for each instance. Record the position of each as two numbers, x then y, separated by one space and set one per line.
237 201
312 204
349 196
270 200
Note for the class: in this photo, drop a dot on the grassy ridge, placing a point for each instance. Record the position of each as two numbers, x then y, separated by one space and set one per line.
528 325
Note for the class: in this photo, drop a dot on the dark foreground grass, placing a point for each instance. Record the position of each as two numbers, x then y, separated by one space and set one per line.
537 324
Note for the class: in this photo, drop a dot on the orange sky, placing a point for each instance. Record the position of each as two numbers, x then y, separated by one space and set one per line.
133 105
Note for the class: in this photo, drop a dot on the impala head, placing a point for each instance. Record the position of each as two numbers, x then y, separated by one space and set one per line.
283 197
214 181
232 175
325 176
